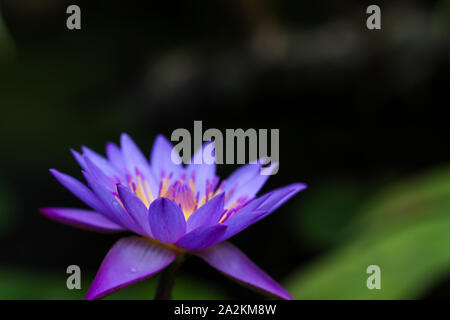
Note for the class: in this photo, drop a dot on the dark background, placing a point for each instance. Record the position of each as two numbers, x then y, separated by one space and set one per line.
357 110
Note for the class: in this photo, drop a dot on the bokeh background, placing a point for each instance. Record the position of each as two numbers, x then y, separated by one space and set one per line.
362 118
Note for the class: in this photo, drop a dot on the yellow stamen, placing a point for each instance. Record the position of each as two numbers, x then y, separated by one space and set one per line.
140 191
165 184
148 192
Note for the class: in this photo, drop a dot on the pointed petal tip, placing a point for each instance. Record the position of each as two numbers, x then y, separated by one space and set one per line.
124 135
220 197
161 137
73 151
125 140
299 186
232 262
111 145
45 211
58 175
130 260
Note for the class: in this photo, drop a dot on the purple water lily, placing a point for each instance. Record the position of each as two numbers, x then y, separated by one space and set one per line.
172 210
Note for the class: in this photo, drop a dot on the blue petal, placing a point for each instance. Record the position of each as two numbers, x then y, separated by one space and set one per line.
232 262
167 221
130 260
201 238
161 159
79 190
259 208
135 160
101 162
202 172
115 211
136 208
207 214
85 219
245 182
115 156
98 175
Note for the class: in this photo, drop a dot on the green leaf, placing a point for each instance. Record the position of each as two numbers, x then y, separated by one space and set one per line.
411 261
405 230
410 201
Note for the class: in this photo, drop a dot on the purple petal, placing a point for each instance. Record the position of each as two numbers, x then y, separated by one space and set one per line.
79 158
115 156
232 262
259 208
274 199
85 219
249 189
79 190
130 260
115 211
161 159
136 208
201 238
167 221
101 162
245 182
242 175
98 175
135 160
236 225
202 172
207 214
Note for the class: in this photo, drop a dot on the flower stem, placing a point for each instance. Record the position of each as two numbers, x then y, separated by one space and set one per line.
167 279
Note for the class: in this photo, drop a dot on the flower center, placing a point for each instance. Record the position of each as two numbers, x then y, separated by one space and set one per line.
182 192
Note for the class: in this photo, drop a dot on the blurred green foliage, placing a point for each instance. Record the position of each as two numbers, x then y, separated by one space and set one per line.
6 44
405 230
327 211
28 285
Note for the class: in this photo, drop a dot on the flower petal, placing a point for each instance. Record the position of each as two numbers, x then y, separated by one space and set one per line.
167 221
79 158
115 156
274 199
85 219
79 190
136 208
201 238
234 226
115 210
98 175
207 214
161 159
242 175
130 260
245 182
135 160
259 208
232 262
202 172
101 162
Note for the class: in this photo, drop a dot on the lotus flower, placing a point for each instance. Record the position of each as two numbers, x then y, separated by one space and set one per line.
171 209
